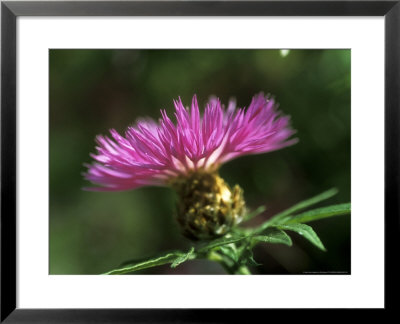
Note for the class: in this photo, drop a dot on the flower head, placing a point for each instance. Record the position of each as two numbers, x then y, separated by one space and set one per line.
187 155
153 154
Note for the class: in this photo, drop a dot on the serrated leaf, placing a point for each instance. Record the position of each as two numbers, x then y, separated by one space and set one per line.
299 206
254 213
306 231
319 213
183 258
275 236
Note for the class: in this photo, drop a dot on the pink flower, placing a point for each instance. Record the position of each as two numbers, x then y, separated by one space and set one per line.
151 154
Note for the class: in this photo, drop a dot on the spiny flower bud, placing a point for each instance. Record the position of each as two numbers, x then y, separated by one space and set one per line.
207 206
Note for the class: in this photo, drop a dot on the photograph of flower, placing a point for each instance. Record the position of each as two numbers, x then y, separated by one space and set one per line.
199 161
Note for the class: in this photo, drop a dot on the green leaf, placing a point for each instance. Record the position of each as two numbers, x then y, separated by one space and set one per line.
222 241
306 231
175 258
229 251
319 213
247 258
169 258
302 205
187 256
273 235
254 213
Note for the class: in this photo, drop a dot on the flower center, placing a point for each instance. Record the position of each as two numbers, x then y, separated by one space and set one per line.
207 206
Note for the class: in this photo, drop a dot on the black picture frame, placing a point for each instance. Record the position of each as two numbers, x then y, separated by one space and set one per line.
10 10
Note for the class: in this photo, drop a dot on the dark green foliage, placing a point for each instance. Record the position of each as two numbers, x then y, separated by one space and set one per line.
234 251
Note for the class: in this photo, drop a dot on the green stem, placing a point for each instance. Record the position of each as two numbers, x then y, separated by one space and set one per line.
228 265
243 270
214 256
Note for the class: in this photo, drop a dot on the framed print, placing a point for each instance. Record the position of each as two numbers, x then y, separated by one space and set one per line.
176 160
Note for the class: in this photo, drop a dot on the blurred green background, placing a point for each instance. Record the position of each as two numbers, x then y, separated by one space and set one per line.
92 91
